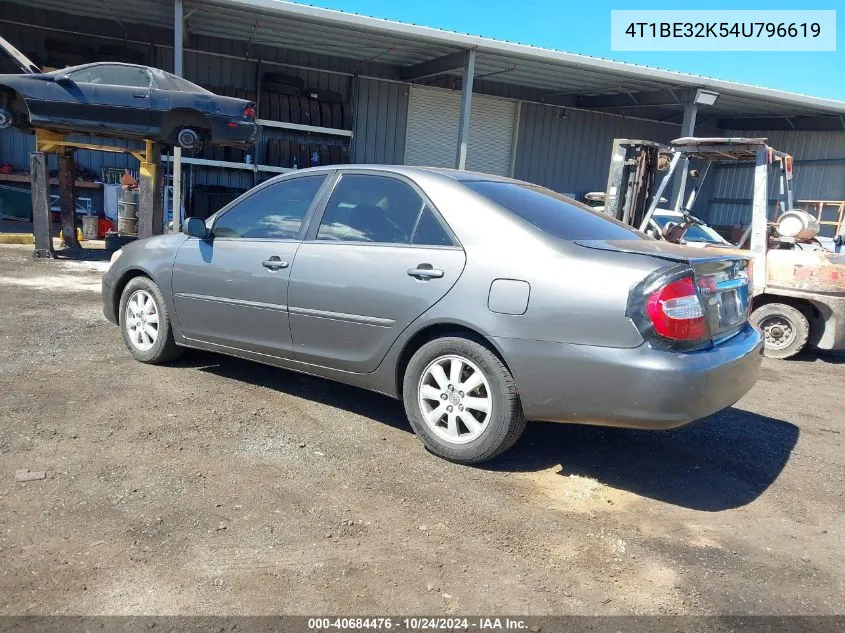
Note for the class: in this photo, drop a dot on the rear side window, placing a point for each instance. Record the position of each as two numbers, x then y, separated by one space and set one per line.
553 213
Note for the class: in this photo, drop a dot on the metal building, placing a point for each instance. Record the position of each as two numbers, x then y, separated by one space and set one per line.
418 95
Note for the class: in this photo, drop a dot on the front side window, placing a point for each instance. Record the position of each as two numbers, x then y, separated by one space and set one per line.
369 208
553 213
273 212
129 76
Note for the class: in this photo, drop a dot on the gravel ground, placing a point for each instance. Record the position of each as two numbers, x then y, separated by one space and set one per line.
216 486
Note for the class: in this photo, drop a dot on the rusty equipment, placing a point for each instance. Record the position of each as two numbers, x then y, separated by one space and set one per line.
799 285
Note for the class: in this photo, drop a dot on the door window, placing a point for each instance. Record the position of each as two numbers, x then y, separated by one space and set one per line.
365 208
273 212
430 231
129 76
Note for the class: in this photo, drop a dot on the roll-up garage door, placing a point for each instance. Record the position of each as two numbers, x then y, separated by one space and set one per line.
432 132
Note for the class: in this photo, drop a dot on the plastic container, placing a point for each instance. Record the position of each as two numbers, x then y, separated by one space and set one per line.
90 227
798 225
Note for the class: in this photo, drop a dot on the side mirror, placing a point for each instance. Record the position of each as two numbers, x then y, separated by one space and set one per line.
64 79
195 227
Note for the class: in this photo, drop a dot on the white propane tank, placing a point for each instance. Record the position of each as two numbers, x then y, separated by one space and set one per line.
798 225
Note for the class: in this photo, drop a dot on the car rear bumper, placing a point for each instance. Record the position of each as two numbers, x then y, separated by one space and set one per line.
233 132
637 388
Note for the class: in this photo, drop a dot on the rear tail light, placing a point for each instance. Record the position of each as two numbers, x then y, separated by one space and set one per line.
666 307
249 112
676 312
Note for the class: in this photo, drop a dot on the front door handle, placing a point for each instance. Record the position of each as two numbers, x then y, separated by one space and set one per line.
274 263
141 95
425 271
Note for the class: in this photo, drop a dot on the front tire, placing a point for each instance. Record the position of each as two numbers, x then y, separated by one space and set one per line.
785 328
461 400
145 323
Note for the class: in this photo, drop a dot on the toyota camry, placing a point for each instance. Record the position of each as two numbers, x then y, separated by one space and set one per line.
481 302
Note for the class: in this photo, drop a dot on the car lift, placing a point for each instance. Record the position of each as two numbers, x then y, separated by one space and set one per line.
150 209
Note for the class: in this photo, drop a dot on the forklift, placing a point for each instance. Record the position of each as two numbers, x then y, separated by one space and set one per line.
799 281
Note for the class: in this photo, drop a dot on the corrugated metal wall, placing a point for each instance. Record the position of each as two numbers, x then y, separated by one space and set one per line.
569 150
819 174
381 111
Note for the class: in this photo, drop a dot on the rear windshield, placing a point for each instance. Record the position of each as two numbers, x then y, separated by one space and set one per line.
553 213
184 85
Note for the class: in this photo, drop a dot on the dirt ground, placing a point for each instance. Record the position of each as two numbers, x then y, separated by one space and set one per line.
216 486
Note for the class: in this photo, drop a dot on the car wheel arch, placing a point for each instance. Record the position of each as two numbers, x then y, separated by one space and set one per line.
434 331
14 101
178 118
122 282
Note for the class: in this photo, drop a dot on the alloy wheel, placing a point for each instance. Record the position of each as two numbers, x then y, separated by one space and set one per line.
141 320
455 399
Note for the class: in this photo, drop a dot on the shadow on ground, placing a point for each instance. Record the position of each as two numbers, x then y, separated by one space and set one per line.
724 461
721 462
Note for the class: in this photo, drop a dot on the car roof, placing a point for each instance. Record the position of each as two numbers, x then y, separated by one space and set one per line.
414 170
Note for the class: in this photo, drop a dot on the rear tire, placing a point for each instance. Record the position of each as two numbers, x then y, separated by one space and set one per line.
465 413
145 323
189 139
784 327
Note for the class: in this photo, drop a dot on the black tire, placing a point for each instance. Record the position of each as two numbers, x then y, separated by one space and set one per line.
304 157
265 109
117 53
295 110
325 114
325 157
334 155
164 347
284 108
289 81
785 328
284 153
313 152
337 116
500 429
344 155
314 106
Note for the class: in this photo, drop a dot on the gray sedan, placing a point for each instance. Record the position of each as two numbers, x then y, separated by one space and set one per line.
479 301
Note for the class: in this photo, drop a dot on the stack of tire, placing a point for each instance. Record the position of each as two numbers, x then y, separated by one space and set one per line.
207 199
64 53
282 152
285 98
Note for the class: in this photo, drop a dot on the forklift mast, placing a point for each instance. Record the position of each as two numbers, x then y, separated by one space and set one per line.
640 172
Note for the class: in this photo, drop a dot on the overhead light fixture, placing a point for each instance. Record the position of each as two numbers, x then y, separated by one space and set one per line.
705 97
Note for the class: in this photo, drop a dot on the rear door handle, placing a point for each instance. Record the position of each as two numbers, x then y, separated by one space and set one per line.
274 263
141 95
425 271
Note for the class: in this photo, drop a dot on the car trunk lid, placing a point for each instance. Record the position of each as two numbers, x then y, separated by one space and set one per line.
27 66
722 279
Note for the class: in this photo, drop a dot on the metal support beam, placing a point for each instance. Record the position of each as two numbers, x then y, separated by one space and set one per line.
760 219
687 129
42 225
150 218
466 107
433 67
178 34
630 100
178 60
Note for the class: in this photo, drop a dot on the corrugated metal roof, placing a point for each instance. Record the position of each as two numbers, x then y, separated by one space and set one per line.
316 30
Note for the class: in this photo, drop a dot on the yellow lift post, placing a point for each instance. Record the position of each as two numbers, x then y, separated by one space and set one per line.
150 208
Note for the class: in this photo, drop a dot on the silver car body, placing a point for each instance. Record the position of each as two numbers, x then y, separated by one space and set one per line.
554 310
